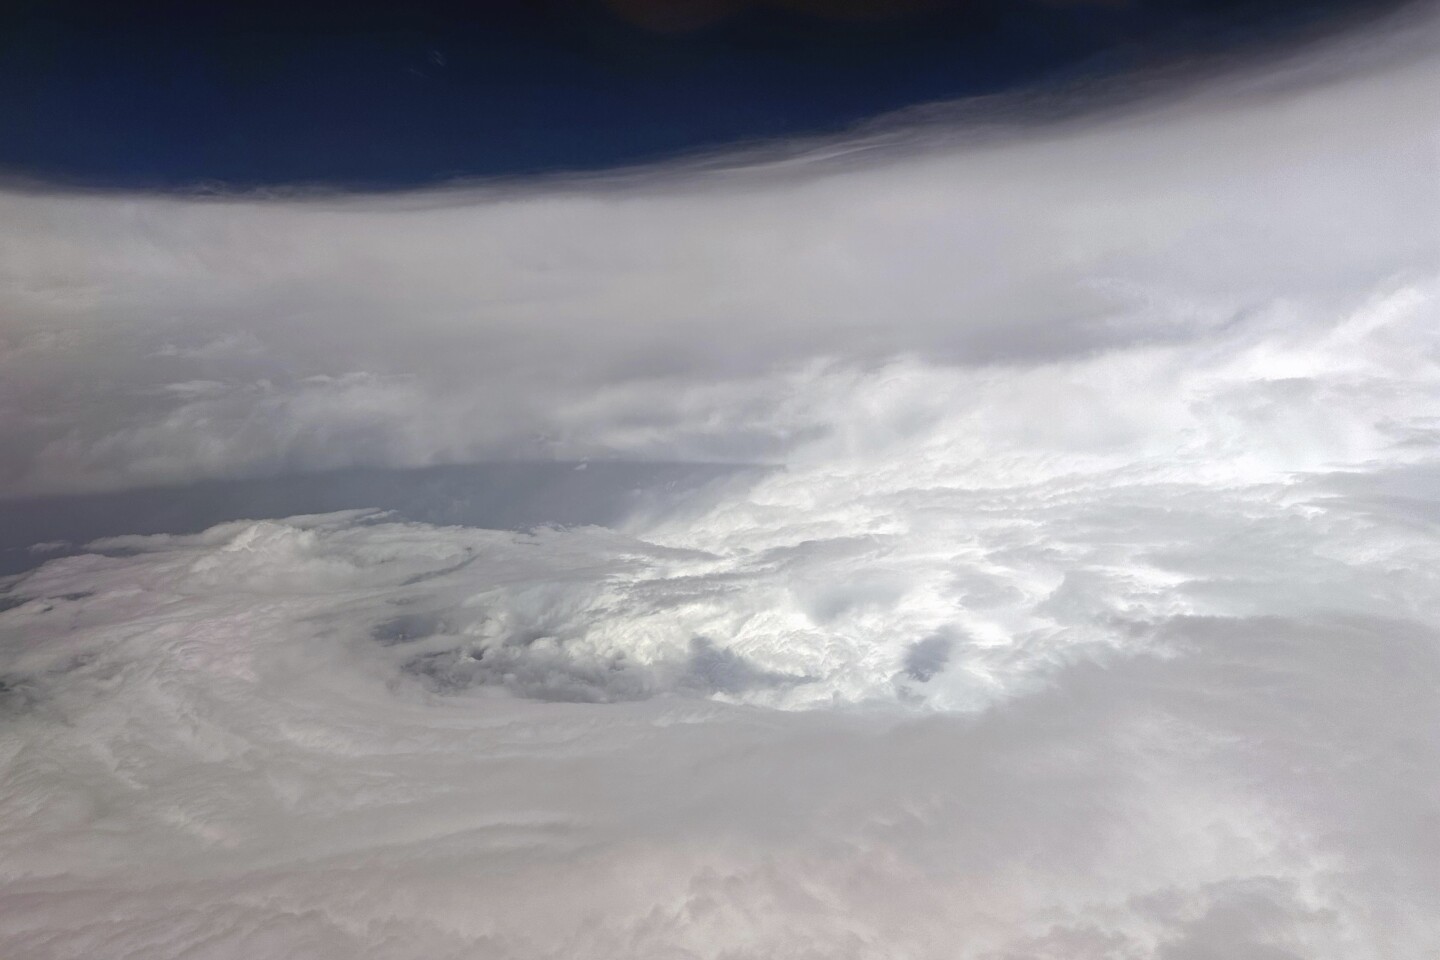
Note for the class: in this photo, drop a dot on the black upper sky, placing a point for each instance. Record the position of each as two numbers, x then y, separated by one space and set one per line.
386 94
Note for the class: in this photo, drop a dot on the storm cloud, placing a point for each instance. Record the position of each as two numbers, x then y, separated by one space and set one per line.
716 310
1089 608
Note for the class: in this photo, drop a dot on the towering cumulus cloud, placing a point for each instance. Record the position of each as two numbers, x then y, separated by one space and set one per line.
1087 605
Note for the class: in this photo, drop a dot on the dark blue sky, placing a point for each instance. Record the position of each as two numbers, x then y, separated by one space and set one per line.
387 94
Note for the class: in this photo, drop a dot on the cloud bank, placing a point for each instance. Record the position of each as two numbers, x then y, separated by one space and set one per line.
687 312
1104 716
1093 613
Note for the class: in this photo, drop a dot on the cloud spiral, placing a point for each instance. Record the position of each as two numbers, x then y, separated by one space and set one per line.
1089 611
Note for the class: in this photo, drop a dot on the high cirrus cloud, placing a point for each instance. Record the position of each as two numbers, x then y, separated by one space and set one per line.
668 313
1090 612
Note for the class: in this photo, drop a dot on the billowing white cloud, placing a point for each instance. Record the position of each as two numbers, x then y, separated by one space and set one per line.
1107 714
684 313
1146 672
1093 613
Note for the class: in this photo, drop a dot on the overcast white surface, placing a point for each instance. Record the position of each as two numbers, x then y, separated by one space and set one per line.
1093 615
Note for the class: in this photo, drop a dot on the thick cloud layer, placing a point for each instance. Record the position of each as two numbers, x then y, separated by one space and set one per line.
1096 716
1093 614
687 313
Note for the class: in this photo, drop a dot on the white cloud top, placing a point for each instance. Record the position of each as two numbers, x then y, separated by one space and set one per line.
1093 614
682 314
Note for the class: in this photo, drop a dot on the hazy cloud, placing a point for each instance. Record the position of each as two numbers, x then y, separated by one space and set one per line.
1093 613
709 311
